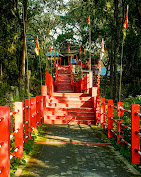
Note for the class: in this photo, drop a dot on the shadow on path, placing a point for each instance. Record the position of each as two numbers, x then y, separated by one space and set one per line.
75 151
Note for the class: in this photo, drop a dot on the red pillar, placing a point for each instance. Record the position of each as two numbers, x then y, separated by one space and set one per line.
119 113
135 128
47 78
27 120
110 117
33 112
44 90
98 109
93 94
5 141
38 109
19 127
103 113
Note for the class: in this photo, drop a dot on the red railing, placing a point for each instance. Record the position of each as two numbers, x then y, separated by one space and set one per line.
26 119
115 124
83 84
56 75
50 83
100 116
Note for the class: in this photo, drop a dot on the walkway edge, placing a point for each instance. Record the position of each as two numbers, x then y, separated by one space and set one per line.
127 165
21 167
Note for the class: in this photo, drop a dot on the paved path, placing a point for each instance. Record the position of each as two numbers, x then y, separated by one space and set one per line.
75 151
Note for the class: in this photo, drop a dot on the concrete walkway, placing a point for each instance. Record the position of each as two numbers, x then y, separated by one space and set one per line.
76 151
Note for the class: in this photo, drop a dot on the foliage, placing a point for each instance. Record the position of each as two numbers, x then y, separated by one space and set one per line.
27 149
123 148
14 164
68 21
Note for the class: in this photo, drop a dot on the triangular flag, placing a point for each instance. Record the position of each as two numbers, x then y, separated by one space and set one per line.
88 23
102 49
80 49
37 46
50 49
68 48
125 23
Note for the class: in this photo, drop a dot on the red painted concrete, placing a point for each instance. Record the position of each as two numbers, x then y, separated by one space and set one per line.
67 108
64 79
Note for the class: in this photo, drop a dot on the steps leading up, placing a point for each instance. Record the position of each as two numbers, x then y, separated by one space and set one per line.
69 108
70 94
64 79
65 106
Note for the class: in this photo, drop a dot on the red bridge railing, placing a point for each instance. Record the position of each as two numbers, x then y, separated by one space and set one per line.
27 117
115 124
50 83
83 84
106 118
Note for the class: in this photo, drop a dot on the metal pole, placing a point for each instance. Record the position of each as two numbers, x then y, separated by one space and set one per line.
47 61
89 53
90 48
51 63
40 68
121 71
120 80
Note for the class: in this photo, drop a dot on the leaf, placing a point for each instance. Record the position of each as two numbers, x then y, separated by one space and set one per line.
15 165
24 161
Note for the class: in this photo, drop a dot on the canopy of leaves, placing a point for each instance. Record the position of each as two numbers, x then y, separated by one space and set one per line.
68 24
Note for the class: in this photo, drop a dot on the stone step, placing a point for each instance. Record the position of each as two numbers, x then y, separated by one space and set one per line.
68 113
81 109
70 98
70 101
71 105
58 121
64 88
60 81
72 117
70 94
64 76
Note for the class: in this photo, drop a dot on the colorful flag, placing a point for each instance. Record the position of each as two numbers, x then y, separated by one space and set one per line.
49 27
37 46
50 49
68 48
88 23
125 23
102 49
80 49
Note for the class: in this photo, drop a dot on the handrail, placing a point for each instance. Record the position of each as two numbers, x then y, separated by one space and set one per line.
135 114
27 117
50 84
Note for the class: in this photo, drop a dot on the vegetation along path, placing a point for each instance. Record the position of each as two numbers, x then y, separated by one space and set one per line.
75 150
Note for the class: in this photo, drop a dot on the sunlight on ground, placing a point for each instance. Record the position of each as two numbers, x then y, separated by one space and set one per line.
58 138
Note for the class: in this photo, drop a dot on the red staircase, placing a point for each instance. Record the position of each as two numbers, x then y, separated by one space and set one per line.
69 108
64 79
65 106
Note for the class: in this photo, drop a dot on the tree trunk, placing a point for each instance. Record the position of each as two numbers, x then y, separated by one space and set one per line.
111 71
116 45
23 46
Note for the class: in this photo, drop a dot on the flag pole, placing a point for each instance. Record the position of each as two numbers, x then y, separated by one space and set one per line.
51 63
47 60
40 68
121 70
124 35
89 51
